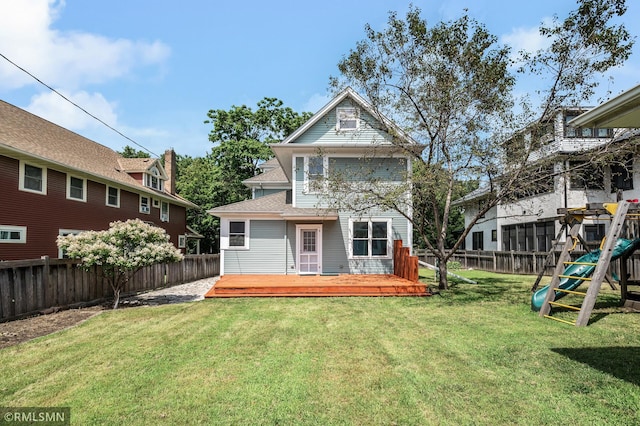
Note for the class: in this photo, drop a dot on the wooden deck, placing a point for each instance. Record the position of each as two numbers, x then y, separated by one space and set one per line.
315 286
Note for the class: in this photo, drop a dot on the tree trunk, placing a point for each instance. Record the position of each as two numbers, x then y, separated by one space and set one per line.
116 298
443 283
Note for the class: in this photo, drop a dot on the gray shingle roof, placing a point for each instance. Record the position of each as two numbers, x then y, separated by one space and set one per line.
272 204
27 134
275 175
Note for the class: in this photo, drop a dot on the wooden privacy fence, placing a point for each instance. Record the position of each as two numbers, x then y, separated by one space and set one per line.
518 262
404 265
31 286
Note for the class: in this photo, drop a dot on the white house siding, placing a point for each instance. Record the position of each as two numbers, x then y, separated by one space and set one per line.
487 225
266 253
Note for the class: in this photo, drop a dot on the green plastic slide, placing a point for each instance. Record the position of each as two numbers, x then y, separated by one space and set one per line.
622 247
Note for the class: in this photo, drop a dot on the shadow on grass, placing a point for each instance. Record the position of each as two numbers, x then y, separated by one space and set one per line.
488 289
619 361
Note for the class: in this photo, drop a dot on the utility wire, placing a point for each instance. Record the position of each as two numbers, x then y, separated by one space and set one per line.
76 105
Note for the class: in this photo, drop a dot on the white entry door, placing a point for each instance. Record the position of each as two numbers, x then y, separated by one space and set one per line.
309 249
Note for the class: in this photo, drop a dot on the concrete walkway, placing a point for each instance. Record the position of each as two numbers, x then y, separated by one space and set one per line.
189 292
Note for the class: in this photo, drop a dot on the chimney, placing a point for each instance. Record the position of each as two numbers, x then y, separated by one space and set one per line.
170 169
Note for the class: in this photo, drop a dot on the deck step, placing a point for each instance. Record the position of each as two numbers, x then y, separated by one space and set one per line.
411 290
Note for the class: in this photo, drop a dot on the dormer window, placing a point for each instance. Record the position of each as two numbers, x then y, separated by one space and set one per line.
153 179
347 119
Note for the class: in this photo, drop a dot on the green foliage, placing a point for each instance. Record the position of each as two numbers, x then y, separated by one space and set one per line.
121 250
198 180
447 84
450 87
583 46
131 152
241 138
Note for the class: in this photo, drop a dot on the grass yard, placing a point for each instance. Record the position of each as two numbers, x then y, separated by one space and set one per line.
473 355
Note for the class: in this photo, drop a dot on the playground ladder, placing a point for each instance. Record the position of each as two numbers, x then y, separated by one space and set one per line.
599 273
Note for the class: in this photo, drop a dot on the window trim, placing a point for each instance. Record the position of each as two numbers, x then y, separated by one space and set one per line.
370 238
225 234
325 170
149 175
141 205
182 241
84 188
354 115
162 215
62 231
106 201
11 228
477 243
22 177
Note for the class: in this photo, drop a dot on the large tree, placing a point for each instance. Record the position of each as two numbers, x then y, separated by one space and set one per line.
241 138
450 87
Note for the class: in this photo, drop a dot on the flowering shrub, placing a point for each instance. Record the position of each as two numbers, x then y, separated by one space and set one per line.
121 250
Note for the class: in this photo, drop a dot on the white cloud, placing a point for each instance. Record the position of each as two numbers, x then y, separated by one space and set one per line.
64 59
54 108
315 102
526 39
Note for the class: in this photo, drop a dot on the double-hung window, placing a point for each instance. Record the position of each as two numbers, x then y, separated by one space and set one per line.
238 234
144 204
347 119
315 169
76 188
164 211
113 196
370 238
33 178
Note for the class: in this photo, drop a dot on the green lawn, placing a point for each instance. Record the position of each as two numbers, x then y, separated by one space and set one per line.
473 355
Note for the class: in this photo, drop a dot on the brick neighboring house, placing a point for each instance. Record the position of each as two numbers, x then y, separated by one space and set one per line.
57 182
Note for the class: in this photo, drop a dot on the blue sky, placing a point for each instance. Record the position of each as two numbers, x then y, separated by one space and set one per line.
152 69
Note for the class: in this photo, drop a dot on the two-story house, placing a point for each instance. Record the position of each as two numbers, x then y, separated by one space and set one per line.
529 222
56 182
291 226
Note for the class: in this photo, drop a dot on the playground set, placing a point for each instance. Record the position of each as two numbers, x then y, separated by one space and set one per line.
620 242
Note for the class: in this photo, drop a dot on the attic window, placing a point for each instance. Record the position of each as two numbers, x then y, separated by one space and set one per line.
153 179
347 119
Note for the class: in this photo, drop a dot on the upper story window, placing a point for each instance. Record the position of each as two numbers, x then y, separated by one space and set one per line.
33 178
113 196
315 173
622 174
144 204
585 176
348 119
153 179
583 132
76 188
164 212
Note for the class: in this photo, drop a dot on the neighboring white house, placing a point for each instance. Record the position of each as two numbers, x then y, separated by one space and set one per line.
530 223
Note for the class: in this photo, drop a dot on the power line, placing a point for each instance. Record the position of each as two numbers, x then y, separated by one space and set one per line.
76 105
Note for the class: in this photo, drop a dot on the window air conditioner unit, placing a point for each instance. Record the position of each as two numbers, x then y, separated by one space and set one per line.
144 209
